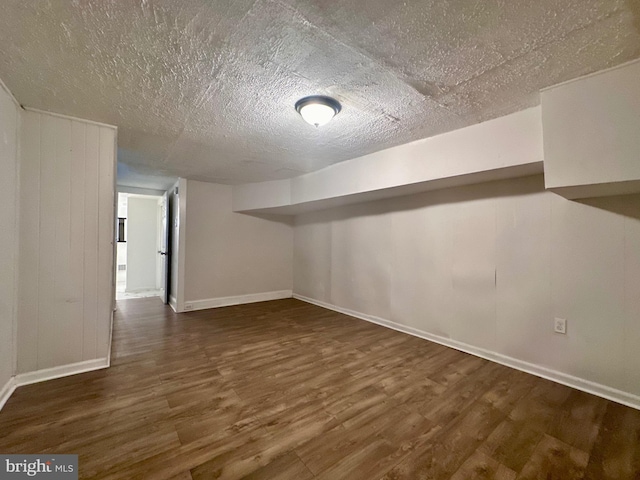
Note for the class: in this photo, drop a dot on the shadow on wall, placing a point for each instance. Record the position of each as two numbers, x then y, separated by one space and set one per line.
416 201
284 219
625 205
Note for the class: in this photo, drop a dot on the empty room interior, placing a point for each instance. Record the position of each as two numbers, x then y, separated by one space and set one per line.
300 239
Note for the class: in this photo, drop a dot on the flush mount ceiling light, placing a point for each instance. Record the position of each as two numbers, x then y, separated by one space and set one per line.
317 109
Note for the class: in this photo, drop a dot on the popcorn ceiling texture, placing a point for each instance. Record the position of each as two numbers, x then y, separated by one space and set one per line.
205 89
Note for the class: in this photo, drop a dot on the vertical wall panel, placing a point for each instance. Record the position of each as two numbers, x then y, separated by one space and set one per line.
65 341
421 282
76 231
361 261
9 115
632 298
67 217
29 261
620 256
587 280
106 211
523 256
473 237
90 275
48 314
312 256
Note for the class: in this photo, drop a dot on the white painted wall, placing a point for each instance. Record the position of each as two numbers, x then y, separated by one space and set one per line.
488 267
9 128
274 193
509 141
592 133
230 255
142 239
504 147
67 223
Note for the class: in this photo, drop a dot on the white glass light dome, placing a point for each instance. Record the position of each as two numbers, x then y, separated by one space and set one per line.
317 110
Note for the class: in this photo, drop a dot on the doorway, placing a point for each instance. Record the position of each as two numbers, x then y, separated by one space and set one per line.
141 246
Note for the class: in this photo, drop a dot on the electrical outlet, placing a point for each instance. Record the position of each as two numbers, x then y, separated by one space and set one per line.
188 306
560 325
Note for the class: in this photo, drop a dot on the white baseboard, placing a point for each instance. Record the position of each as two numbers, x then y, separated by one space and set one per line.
236 300
61 371
173 303
588 386
6 391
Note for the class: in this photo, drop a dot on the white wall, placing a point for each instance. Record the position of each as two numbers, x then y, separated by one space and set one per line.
488 267
505 147
592 133
510 141
231 255
258 195
67 222
142 239
9 123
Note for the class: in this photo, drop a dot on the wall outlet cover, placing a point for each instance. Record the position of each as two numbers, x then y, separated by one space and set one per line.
560 325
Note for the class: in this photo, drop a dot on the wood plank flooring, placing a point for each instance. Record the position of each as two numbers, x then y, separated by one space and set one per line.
287 390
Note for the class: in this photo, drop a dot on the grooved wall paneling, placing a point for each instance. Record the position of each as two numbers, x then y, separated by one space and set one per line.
66 229
9 116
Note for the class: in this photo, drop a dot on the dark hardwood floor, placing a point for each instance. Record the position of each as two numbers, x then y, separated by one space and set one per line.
288 390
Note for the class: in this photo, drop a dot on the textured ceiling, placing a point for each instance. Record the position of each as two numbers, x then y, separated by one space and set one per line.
205 89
